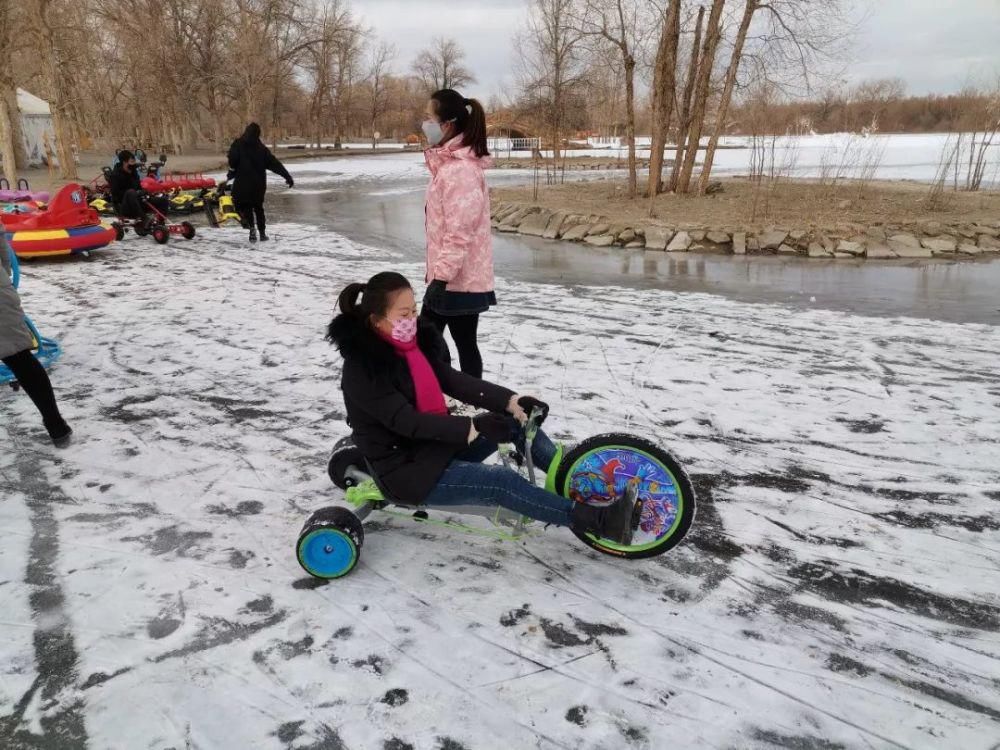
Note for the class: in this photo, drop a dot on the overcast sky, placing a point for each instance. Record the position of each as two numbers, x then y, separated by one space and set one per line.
933 45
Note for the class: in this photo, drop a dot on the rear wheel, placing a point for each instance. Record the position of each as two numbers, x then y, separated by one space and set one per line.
161 234
187 230
140 229
598 470
330 543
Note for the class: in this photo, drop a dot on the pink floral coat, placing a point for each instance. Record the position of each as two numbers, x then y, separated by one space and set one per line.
459 240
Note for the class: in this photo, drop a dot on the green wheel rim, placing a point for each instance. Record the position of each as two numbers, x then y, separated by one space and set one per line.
678 515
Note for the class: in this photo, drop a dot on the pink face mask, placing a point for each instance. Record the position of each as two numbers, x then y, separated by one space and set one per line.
404 330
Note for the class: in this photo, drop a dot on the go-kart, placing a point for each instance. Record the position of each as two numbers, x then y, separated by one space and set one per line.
155 224
596 471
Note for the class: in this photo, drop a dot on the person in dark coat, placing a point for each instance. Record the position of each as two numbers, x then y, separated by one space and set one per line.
16 343
394 381
249 161
127 195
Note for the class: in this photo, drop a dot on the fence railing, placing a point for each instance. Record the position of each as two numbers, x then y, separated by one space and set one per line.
500 146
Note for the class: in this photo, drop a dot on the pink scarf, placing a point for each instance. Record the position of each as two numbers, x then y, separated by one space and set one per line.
430 398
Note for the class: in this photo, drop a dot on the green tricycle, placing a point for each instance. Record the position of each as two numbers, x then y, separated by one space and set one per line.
596 471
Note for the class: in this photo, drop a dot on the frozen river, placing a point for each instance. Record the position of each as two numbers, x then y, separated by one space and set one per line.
380 201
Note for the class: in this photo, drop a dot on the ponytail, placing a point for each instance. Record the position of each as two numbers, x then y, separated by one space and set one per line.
475 130
348 300
467 114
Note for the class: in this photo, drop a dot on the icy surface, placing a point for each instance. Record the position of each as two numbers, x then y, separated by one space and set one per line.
903 156
839 589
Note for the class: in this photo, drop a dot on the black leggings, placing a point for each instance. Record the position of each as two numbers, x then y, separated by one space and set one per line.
35 382
250 211
463 330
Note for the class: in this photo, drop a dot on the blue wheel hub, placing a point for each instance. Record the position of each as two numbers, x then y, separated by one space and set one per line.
327 552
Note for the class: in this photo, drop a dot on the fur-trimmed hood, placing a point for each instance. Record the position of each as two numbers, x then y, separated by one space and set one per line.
355 340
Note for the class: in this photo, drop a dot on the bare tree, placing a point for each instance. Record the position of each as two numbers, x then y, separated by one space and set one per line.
348 58
664 92
702 89
979 124
440 66
618 25
10 130
722 111
321 61
684 124
55 77
208 36
871 100
550 61
378 72
796 36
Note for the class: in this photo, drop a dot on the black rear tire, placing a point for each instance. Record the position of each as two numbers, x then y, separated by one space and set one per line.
340 518
329 545
187 230
666 467
161 234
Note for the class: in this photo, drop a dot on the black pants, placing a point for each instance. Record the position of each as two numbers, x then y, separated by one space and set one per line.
464 329
131 206
252 211
35 382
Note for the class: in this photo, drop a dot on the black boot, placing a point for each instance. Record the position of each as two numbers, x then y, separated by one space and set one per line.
60 432
253 234
263 236
614 522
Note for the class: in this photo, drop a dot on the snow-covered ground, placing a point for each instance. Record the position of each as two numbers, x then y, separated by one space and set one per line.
839 589
403 166
353 146
844 155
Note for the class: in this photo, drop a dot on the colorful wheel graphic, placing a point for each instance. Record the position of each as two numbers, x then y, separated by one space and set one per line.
598 470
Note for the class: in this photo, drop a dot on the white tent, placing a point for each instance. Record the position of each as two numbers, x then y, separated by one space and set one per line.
36 124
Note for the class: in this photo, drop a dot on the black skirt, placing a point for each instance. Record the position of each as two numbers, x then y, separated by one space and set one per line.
465 303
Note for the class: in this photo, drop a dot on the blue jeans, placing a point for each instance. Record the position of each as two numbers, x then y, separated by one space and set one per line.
468 481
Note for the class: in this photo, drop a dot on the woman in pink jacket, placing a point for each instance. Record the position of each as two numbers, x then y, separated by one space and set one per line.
459 241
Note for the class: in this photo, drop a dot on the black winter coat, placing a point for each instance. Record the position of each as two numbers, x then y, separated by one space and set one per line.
409 451
249 160
121 181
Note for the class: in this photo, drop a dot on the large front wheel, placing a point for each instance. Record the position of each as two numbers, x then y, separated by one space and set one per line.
598 470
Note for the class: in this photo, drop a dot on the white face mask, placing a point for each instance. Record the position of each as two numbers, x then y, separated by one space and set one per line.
432 132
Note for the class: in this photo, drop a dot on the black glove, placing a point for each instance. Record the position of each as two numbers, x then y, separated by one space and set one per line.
493 427
290 182
434 296
530 403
